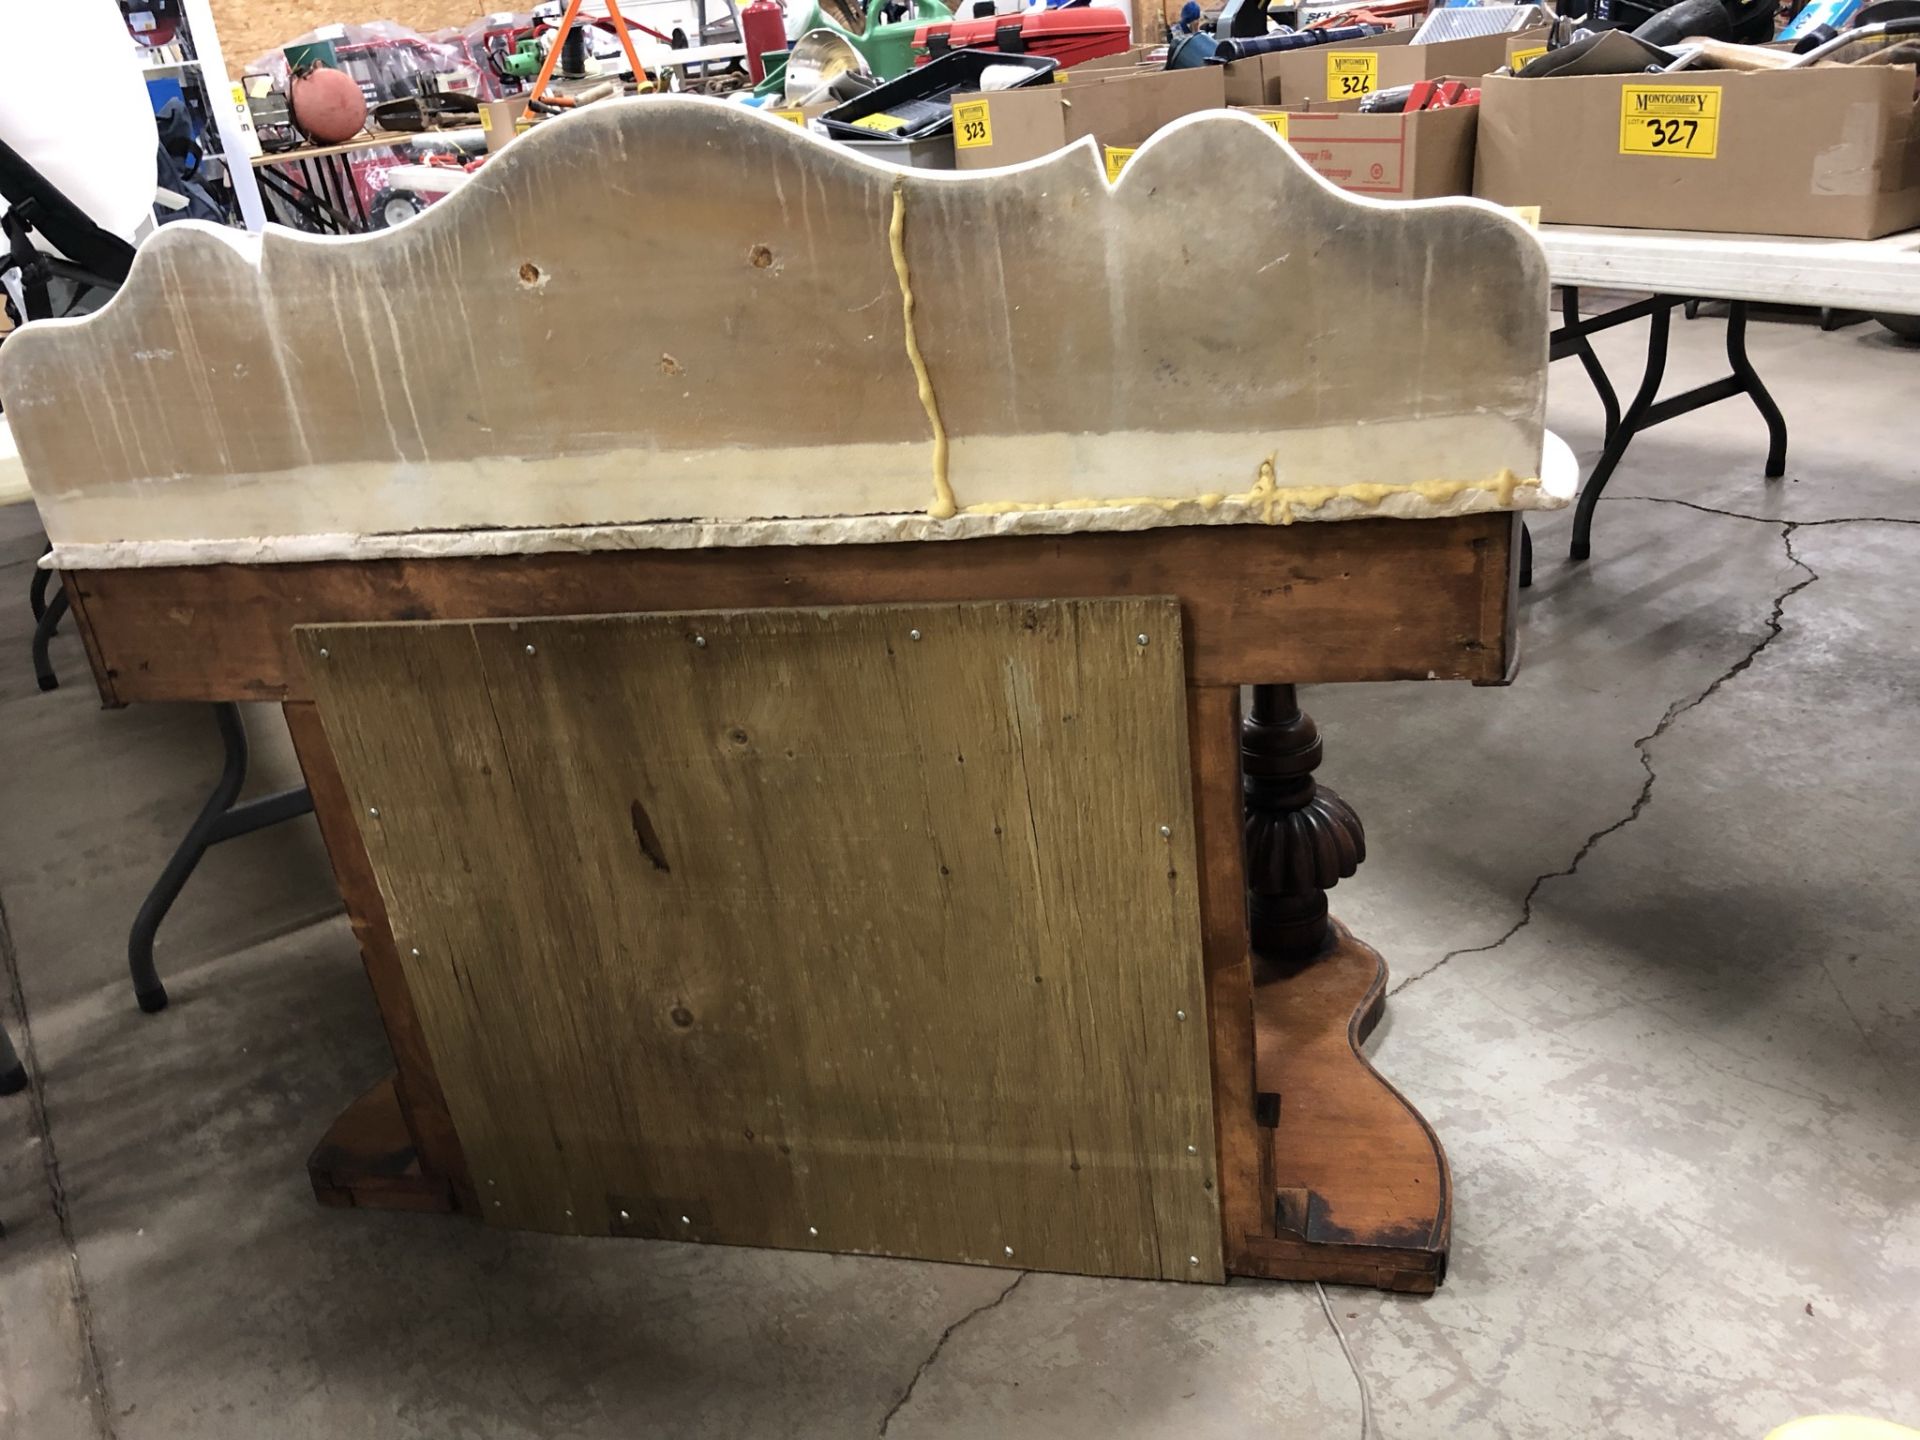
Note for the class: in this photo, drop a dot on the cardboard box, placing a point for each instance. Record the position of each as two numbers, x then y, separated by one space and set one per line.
1391 157
1527 46
1005 127
501 120
1130 60
1832 151
1354 68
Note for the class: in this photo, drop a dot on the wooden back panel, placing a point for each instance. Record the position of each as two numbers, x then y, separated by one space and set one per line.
789 928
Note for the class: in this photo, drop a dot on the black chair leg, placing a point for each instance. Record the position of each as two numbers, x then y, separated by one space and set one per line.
43 637
1749 379
219 819
1526 557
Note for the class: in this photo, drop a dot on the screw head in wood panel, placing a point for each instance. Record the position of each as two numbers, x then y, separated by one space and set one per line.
529 649
374 811
686 1219
1193 1149
913 634
1179 1014
700 641
323 652
1193 1259
813 1229
1009 1250
1166 832
416 955
569 1214
625 1216
1140 639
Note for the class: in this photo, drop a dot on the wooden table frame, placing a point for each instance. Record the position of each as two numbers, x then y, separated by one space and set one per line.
1324 1171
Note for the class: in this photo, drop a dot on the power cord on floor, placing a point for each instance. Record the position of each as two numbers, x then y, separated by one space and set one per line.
1366 1400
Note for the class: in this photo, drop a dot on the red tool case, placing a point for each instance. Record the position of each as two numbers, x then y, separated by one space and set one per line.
1069 35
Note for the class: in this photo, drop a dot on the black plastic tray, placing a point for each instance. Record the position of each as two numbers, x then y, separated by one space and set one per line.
923 97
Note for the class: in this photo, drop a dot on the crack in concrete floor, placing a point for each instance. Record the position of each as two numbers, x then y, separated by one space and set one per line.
1775 625
100 1399
940 1344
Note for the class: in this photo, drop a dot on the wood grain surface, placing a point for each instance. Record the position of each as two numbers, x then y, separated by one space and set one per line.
1358 1180
1246 1205
416 1088
787 928
1362 600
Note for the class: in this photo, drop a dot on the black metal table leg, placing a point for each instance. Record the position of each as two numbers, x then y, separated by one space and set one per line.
350 196
1658 324
43 637
37 591
1646 411
1749 379
1526 556
13 1075
1574 338
219 819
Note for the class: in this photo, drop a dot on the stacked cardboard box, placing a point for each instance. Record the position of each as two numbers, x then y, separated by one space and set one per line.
1353 68
1420 156
1828 151
1119 108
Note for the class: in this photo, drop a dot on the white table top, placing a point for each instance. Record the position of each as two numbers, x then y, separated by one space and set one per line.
1874 275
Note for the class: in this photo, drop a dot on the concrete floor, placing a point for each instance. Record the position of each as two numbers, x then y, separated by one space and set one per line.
1650 912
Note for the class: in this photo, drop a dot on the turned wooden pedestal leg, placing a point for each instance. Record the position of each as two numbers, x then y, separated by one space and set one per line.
1302 839
1354 1185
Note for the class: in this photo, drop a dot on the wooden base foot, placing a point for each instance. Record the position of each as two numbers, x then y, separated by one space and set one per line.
1358 1181
367 1159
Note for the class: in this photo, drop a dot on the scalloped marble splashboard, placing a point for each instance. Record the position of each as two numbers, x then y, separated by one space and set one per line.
673 321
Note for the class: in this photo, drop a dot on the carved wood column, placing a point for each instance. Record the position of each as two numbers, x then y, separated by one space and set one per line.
1302 839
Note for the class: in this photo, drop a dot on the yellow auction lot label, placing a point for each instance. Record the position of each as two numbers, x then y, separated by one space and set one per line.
971 127
1117 157
1523 58
1351 73
1670 120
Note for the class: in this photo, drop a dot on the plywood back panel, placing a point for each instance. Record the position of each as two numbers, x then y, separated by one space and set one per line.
786 927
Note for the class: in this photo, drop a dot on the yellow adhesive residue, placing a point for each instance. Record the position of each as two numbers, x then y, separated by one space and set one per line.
1266 491
1277 504
943 507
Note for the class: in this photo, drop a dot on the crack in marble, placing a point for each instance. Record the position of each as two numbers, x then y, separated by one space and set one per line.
941 1344
1674 711
99 1396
